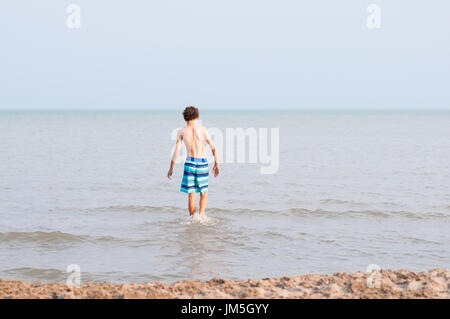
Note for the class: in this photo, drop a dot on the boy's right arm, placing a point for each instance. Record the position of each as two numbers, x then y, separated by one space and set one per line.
175 154
216 168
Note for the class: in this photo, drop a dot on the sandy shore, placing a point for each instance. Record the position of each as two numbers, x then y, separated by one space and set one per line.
392 284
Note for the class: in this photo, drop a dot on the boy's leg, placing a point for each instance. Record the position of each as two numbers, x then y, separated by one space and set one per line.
203 201
191 199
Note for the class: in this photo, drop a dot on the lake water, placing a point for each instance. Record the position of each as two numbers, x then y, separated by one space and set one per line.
352 189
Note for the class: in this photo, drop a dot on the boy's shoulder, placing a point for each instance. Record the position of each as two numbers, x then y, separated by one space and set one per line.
204 130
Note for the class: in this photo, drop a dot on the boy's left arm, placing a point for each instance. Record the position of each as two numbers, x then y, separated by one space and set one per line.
216 168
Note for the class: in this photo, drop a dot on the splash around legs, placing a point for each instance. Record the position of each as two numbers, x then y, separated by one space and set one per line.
192 205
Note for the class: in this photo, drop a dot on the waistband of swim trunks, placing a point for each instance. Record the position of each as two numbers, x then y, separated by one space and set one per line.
196 159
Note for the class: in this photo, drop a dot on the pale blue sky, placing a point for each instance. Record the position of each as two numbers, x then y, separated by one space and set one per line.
254 54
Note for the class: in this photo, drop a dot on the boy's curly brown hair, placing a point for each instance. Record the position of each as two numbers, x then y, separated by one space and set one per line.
190 113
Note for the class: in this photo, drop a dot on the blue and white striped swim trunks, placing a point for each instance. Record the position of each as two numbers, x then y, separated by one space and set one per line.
195 177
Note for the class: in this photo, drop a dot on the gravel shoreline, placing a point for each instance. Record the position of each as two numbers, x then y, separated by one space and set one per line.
391 284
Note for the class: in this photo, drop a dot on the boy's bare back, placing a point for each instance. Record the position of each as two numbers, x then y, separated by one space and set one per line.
194 138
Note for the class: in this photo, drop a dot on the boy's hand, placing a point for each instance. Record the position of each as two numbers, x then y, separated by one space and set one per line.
169 173
216 170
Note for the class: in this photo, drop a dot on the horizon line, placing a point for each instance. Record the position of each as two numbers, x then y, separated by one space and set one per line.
228 110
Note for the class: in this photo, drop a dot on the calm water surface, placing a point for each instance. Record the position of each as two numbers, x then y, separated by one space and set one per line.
352 190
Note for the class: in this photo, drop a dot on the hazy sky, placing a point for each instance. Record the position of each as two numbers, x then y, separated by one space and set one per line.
141 54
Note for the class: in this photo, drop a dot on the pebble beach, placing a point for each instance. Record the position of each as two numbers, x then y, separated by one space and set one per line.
389 284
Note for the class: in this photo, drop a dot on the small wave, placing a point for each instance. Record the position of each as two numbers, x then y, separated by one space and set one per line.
50 237
421 240
36 274
342 202
242 211
303 212
366 213
294 211
276 235
133 208
40 236
51 275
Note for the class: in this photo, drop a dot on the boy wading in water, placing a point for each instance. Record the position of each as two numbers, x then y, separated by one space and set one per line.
195 177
